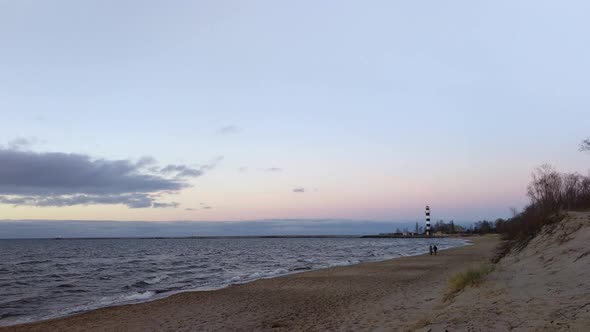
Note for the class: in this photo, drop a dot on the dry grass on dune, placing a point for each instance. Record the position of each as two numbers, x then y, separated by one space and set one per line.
471 277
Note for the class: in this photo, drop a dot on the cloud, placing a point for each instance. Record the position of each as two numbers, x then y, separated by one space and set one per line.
299 190
181 171
212 164
20 143
205 206
228 130
165 205
245 169
62 179
136 200
146 161
272 169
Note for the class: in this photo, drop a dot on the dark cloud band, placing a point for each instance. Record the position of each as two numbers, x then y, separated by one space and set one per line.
62 179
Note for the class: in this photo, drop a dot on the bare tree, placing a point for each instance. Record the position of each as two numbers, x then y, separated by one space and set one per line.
514 212
545 189
585 145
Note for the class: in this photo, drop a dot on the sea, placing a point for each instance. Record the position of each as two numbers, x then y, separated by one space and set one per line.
48 278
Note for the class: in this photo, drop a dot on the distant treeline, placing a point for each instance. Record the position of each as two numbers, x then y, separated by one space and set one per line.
441 226
438 227
551 193
480 227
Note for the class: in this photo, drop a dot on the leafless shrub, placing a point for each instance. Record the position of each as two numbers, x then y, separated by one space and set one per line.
551 193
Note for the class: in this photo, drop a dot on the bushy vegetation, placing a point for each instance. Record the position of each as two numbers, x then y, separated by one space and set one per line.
471 277
485 227
480 227
447 228
551 194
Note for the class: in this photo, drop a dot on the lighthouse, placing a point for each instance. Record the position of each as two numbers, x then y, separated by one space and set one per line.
428 232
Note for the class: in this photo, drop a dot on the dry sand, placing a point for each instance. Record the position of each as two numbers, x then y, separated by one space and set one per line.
393 295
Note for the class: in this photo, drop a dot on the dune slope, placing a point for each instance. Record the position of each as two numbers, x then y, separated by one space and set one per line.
544 287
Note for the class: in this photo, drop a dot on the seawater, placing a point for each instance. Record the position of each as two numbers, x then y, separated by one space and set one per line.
41 279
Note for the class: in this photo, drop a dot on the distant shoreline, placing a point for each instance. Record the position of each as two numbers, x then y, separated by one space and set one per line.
379 236
194 237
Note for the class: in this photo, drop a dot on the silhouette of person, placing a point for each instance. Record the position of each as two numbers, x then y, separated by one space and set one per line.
435 249
430 249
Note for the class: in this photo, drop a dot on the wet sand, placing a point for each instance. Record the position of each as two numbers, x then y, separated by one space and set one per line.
393 295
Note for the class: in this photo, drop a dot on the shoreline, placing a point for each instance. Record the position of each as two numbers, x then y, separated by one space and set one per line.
161 296
255 303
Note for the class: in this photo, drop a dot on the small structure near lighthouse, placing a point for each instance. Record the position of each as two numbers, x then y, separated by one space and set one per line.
419 234
428 231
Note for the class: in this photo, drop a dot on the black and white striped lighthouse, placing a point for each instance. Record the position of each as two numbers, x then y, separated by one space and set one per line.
428 233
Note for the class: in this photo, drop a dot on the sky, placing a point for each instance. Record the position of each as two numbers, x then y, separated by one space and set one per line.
254 110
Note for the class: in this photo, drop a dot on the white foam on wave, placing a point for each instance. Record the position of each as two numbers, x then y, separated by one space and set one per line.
240 279
262 275
345 263
236 279
119 299
156 279
139 296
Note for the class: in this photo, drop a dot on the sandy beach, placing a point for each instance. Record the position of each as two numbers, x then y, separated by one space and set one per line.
382 296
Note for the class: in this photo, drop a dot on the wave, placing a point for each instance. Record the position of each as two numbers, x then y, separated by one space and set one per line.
138 296
65 286
33 262
150 281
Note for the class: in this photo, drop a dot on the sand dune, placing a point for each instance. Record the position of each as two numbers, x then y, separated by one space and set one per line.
545 287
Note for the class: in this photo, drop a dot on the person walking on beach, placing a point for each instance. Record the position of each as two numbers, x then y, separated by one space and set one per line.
435 249
430 249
